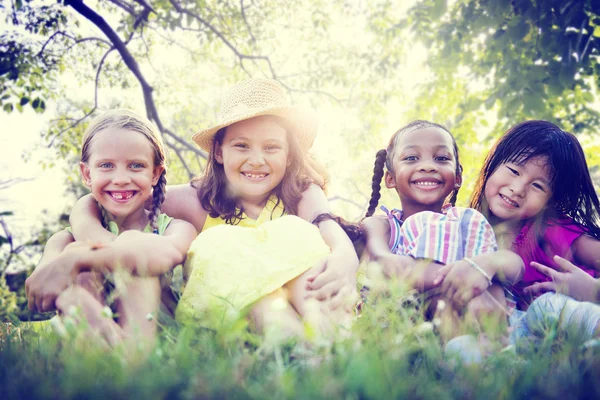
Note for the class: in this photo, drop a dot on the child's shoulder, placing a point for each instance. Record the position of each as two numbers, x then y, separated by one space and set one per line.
181 202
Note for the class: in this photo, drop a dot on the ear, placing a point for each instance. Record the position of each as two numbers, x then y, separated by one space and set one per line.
458 180
85 174
390 181
156 174
218 153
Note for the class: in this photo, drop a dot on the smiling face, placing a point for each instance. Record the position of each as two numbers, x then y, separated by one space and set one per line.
254 155
517 192
423 169
120 172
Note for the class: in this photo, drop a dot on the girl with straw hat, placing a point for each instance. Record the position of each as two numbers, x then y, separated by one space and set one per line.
257 256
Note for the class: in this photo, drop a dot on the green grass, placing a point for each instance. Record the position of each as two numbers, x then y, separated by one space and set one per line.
391 353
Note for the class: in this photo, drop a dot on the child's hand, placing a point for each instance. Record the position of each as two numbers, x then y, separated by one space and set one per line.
567 279
395 266
46 283
461 282
334 281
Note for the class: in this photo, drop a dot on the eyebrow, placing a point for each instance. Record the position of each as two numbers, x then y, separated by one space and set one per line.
414 146
248 139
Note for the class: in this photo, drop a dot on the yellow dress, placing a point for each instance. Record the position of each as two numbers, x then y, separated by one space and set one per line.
235 265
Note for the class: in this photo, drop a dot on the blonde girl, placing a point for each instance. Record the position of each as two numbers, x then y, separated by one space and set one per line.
257 254
123 164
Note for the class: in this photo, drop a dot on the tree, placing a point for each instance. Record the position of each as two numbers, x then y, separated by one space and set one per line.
528 58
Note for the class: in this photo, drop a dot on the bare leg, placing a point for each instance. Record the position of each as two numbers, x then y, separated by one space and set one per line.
91 308
92 282
274 317
316 313
137 307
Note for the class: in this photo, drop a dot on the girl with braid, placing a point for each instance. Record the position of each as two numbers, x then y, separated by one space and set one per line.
123 164
269 251
422 164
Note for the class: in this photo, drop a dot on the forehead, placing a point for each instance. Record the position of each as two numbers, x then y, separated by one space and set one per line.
120 143
430 137
262 128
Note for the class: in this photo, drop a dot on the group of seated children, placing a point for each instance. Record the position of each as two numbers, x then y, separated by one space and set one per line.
254 237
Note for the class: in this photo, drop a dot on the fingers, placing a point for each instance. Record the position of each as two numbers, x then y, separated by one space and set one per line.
346 298
540 288
440 275
564 265
48 303
544 269
324 292
317 270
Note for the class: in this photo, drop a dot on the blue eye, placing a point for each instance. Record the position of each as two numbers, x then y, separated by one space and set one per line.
105 165
137 165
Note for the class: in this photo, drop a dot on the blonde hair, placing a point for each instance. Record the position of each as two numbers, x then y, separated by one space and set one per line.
128 120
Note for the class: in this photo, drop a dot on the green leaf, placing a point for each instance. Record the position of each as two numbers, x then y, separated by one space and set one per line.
597 31
439 8
519 31
8 107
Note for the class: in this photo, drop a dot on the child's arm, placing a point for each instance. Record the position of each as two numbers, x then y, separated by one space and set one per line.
338 274
468 278
568 279
54 247
377 230
143 254
181 202
421 277
85 220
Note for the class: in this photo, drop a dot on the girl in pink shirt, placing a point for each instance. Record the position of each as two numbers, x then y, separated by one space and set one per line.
536 191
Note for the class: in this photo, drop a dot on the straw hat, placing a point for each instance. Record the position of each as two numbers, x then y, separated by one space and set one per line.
255 97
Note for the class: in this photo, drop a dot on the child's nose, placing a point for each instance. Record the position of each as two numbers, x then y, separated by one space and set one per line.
256 158
121 177
427 166
517 187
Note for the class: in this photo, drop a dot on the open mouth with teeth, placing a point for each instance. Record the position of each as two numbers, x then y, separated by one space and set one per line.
426 184
121 195
509 201
255 175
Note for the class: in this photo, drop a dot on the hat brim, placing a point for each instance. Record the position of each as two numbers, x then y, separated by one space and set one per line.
302 122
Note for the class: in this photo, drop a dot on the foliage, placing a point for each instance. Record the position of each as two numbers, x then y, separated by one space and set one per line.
392 353
526 58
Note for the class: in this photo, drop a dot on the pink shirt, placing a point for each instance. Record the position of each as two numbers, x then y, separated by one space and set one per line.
557 240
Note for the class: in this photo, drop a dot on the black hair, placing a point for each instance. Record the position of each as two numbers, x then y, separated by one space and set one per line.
573 192
386 157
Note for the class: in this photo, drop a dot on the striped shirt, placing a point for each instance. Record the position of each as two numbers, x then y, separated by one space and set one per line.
445 237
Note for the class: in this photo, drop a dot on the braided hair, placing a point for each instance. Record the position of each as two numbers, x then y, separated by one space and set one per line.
376 181
129 121
386 157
